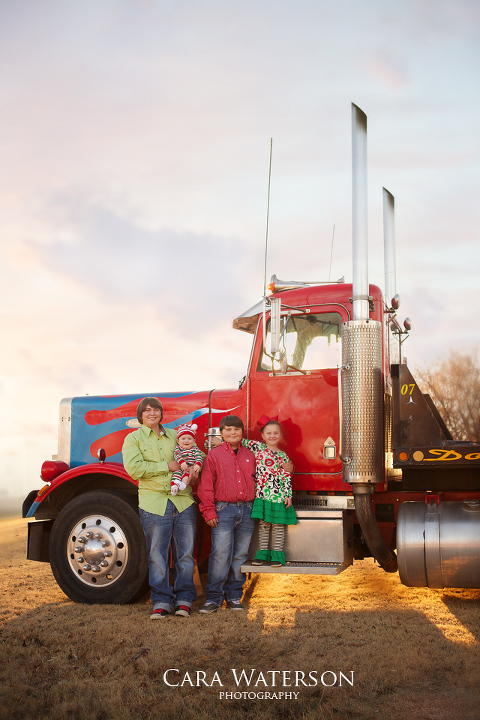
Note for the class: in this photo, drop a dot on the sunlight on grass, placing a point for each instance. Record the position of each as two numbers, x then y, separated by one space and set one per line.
284 596
446 622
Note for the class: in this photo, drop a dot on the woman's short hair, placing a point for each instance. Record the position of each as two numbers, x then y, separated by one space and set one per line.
153 402
231 421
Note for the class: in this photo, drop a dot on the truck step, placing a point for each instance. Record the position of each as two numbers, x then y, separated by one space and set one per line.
297 568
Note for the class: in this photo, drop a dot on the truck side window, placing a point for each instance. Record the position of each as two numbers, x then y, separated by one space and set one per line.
311 342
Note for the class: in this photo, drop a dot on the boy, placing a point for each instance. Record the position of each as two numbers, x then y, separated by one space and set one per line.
226 493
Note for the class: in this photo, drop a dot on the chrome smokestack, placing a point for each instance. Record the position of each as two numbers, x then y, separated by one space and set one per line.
359 215
362 385
389 246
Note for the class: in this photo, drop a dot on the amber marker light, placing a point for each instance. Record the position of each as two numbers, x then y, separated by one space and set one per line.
402 456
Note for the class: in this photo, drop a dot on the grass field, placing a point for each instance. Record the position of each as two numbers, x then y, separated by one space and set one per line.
414 653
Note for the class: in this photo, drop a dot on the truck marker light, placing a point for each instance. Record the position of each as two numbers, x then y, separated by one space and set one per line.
43 490
402 456
52 469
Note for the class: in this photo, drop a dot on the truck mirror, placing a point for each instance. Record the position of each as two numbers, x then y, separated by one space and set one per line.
275 317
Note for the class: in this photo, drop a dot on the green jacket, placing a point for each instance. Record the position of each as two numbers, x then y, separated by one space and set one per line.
146 457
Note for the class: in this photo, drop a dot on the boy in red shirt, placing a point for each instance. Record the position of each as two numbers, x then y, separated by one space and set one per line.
226 492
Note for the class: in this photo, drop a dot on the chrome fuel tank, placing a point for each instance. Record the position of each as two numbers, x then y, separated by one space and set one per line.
438 546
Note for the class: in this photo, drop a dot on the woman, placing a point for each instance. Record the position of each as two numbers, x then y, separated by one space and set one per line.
148 458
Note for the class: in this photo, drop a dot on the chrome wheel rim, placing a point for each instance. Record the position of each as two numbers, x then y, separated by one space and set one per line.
97 551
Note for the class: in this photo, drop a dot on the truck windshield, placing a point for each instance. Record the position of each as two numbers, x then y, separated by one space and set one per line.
311 342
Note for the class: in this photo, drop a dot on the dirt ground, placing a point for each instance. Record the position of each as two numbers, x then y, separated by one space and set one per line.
410 653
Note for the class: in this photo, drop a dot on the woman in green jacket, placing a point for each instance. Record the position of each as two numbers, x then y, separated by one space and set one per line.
166 519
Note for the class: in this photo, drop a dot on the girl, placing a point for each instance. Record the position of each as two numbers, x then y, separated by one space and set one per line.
273 494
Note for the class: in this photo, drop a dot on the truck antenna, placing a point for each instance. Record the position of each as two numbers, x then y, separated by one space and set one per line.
268 215
331 253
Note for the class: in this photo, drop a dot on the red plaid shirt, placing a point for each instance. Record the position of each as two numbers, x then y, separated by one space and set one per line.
226 477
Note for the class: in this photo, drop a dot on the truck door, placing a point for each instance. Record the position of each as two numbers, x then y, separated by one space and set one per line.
304 394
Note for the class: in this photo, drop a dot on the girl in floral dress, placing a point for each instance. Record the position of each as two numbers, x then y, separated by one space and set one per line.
272 506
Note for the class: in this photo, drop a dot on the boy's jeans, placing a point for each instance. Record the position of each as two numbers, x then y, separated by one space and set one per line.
178 528
230 543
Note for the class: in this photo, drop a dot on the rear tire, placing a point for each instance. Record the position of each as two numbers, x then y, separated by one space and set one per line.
97 550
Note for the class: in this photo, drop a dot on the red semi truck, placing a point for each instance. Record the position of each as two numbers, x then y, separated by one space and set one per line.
377 472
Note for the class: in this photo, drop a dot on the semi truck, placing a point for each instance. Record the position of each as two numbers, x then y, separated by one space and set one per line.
376 471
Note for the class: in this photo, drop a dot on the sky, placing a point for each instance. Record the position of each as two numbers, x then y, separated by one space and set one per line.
134 158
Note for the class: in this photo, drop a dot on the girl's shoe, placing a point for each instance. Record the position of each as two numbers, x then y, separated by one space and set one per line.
277 558
257 562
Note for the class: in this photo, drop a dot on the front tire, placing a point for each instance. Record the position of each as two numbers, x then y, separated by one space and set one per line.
97 550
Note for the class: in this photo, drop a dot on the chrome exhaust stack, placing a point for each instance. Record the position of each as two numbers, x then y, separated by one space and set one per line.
359 214
362 367
391 297
361 387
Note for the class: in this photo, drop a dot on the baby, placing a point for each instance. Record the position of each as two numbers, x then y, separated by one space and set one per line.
186 454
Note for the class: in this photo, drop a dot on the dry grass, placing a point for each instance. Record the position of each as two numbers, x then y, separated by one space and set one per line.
414 652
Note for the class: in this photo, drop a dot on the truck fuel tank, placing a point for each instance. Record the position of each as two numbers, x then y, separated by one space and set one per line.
438 545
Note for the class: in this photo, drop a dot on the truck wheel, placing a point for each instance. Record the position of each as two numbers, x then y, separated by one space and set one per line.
97 550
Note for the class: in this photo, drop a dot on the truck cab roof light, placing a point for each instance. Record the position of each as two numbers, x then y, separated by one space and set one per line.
276 285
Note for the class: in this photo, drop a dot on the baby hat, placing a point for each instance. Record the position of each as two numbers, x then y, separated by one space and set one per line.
186 430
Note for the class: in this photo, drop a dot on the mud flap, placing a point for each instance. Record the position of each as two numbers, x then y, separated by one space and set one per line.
38 540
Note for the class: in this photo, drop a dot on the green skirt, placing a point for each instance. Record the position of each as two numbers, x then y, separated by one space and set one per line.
275 513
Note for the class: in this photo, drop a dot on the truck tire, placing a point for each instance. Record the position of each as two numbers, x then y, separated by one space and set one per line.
97 550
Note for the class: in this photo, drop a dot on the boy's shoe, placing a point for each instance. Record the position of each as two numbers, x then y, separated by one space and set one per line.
182 610
209 607
235 605
159 614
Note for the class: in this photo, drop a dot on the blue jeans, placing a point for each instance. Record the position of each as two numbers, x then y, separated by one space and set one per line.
177 528
230 543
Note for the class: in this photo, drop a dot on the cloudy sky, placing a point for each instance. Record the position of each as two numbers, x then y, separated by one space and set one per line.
134 150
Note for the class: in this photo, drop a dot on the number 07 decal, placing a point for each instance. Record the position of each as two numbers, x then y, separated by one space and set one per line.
407 389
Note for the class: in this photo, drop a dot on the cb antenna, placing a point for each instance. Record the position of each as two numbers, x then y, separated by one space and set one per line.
268 215
331 254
